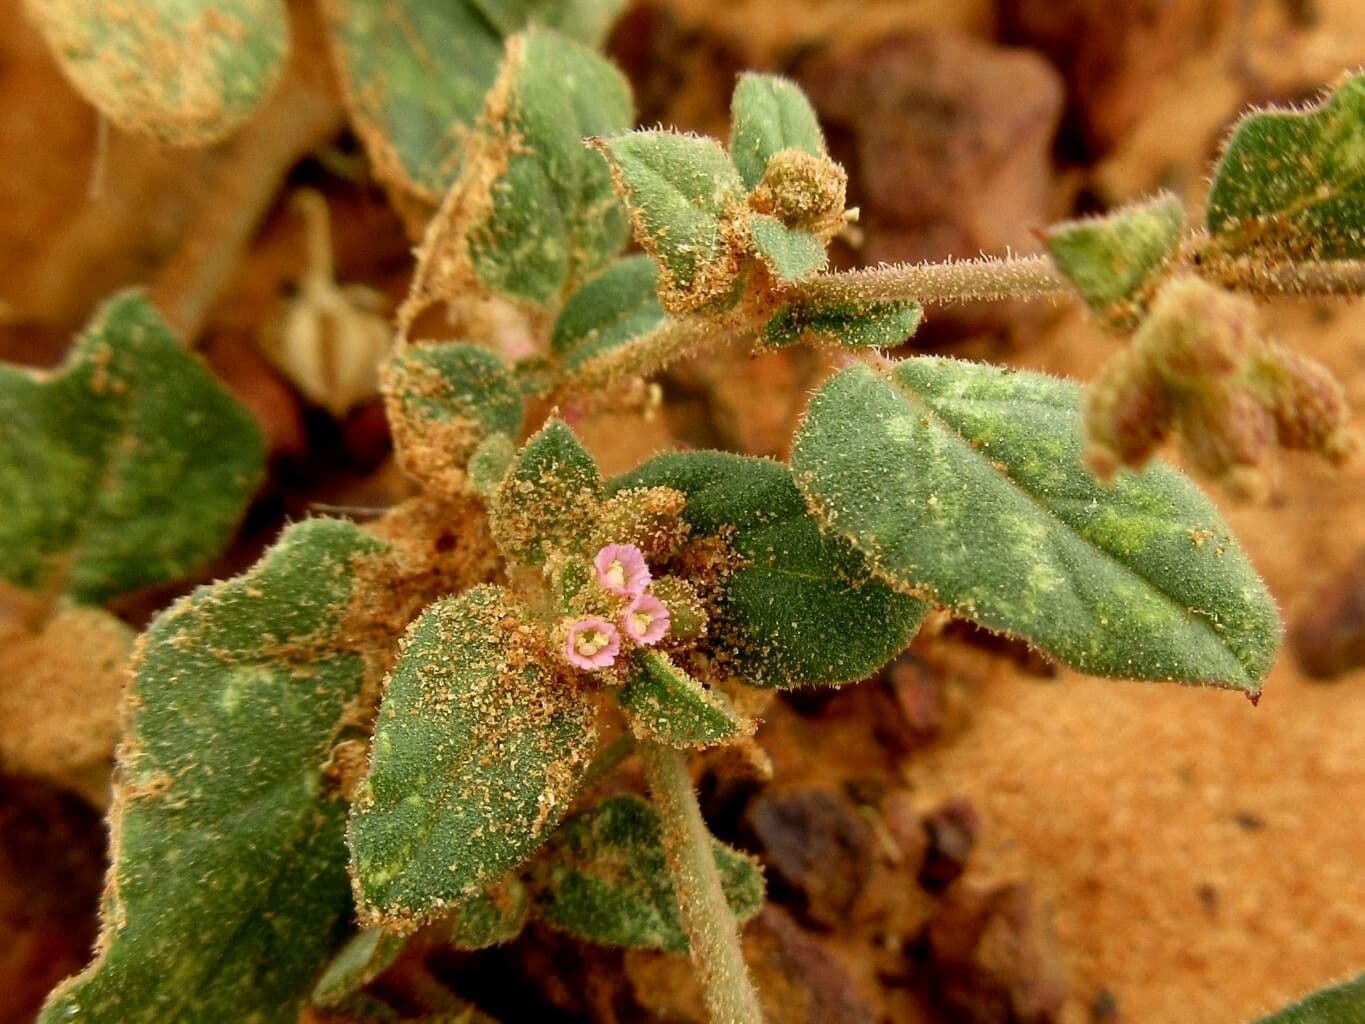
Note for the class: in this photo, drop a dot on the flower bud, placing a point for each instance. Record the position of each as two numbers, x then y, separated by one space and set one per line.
802 191
1127 415
1306 402
1196 332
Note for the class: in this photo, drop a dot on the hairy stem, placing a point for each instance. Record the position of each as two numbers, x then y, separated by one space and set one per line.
672 340
988 278
1316 277
706 918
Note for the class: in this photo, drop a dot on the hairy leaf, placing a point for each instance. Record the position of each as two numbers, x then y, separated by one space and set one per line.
443 401
415 74
964 483
548 499
478 750
490 918
617 306
847 324
1292 183
683 193
365 957
127 467
799 606
229 871
665 704
1112 259
188 72
768 114
1340 1004
790 253
603 878
552 216
490 462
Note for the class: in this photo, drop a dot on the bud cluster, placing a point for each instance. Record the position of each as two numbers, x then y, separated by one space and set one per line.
803 191
1200 368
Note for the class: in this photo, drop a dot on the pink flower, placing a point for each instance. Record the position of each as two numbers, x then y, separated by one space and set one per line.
621 569
593 643
646 620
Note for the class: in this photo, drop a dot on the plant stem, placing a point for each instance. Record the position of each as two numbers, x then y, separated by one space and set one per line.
706 918
672 340
988 278
1314 277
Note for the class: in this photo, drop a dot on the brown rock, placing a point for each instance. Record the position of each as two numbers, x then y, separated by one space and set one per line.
919 698
994 958
1111 53
815 843
950 141
951 832
800 980
1328 633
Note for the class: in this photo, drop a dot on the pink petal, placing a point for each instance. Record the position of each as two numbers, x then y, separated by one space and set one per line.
592 643
622 570
646 621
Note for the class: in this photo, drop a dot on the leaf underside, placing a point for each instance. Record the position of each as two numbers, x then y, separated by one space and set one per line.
964 483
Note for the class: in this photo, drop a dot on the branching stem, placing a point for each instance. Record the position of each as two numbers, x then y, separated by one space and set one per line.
988 278
674 339
706 918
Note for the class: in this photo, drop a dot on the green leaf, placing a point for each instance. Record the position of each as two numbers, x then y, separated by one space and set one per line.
1111 260
127 467
490 918
603 878
684 197
477 754
789 253
415 74
553 217
443 401
617 306
188 72
801 607
549 498
846 324
964 483
768 114
365 957
1340 1004
490 462
229 870
665 704
1291 184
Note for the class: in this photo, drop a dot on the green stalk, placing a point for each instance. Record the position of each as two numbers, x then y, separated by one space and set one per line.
729 994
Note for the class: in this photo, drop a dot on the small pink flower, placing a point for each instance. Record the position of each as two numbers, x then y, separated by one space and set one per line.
621 569
646 620
593 643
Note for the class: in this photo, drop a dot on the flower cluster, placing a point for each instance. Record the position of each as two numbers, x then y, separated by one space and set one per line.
593 642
